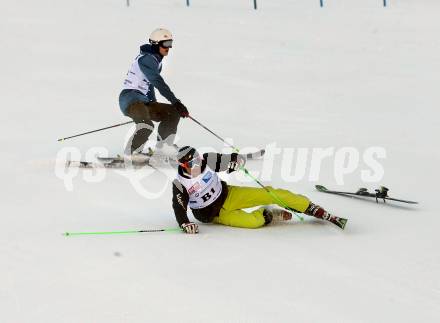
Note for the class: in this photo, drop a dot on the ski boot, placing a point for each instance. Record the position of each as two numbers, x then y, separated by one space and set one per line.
137 157
320 213
276 215
165 148
164 154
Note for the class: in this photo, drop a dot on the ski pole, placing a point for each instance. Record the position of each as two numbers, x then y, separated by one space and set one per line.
279 200
210 131
67 234
86 133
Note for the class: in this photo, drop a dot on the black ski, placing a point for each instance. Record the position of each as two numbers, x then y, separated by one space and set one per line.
380 194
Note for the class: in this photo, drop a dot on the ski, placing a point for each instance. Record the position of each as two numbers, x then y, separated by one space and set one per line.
340 222
118 161
109 164
256 155
380 194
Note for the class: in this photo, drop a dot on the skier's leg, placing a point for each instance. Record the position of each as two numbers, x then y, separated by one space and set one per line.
168 117
240 197
245 197
241 219
139 112
140 136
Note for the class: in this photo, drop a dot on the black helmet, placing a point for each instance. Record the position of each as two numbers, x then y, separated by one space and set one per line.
187 155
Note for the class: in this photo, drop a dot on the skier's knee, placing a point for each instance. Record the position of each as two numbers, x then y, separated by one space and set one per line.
139 112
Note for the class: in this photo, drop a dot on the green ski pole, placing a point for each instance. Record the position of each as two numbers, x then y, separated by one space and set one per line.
279 200
247 172
67 234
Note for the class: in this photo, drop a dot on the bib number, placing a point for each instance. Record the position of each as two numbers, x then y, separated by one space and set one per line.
208 195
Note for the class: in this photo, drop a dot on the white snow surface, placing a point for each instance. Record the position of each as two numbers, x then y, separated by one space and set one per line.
351 74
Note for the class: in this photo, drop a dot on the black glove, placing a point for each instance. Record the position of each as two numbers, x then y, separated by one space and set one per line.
236 163
190 227
181 109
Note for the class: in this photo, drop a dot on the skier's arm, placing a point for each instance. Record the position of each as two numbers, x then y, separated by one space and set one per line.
180 202
149 66
224 162
152 95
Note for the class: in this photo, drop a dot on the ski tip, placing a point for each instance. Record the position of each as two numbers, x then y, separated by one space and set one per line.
411 202
343 223
340 223
255 155
320 188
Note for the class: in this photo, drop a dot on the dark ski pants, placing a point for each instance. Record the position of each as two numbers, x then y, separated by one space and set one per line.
143 114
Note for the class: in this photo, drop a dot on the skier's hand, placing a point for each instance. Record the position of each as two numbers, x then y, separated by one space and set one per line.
181 109
236 164
190 227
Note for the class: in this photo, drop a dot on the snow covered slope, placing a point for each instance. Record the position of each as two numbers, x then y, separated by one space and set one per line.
351 74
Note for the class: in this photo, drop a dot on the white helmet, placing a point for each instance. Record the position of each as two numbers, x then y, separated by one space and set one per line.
160 34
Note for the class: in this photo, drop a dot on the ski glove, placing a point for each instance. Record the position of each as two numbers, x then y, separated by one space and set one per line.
181 109
236 164
190 227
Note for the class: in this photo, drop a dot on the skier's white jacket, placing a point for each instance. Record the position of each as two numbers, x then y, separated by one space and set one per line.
136 79
142 78
203 189
206 193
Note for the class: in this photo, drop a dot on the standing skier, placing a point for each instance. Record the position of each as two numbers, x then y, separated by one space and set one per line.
212 200
138 100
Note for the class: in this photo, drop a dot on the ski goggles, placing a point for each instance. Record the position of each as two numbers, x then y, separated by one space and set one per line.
166 43
196 161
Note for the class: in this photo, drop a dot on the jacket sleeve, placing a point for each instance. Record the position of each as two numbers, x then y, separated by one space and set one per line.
180 202
152 94
149 66
219 162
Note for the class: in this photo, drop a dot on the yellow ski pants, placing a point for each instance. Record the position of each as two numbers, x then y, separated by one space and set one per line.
240 197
